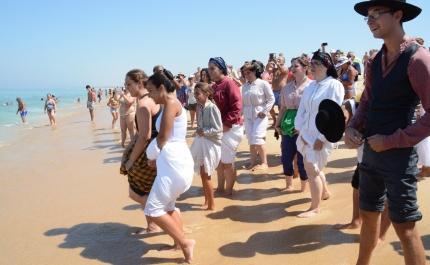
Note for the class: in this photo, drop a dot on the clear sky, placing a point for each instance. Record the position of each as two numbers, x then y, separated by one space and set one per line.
69 44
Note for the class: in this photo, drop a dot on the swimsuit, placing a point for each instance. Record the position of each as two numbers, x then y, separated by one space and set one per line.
90 105
49 106
126 115
23 113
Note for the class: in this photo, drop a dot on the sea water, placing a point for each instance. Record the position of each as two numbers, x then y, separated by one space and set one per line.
11 125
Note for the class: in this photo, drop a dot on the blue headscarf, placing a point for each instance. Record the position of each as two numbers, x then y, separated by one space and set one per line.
219 61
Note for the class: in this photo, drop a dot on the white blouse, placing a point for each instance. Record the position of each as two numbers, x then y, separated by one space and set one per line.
314 93
257 97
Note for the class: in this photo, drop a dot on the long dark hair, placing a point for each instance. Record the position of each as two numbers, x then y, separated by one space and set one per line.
159 79
207 74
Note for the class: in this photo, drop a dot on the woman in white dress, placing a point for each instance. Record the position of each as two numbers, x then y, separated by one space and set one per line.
175 166
257 101
313 146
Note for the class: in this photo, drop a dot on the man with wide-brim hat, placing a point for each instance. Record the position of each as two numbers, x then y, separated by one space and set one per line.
397 78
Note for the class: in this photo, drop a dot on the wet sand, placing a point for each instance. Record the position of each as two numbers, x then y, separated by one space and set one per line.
63 201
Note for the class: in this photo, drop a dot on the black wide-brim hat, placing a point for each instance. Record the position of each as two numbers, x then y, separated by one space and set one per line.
330 120
409 11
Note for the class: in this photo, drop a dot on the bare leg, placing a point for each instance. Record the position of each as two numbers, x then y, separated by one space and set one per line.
221 178
385 223
261 149
356 219
316 185
193 117
325 193
152 227
368 235
230 178
413 249
208 189
169 223
92 115
289 183
303 185
23 119
123 126
273 114
253 153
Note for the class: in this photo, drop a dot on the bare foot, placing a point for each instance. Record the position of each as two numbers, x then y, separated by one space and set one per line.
289 188
173 248
381 240
205 205
263 166
217 190
326 196
351 225
250 167
145 231
188 250
309 213
227 193
211 208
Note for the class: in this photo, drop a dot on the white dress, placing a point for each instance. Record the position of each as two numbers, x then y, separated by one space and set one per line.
424 149
174 168
313 94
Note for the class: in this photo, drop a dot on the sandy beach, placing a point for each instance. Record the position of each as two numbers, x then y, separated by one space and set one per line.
63 201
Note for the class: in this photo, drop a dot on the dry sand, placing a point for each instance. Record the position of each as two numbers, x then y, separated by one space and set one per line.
63 201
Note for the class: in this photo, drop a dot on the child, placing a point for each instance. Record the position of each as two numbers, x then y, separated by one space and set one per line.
206 147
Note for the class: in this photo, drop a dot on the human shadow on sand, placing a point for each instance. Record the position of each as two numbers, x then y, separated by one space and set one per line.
256 194
295 240
109 243
426 242
245 178
343 163
262 213
112 160
104 146
108 133
341 177
132 207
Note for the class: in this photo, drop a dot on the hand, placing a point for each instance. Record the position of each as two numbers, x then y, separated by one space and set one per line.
128 165
123 159
318 145
353 138
122 94
151 163
199 132
296 132
261 115
225 128
303 140
376 142
278 129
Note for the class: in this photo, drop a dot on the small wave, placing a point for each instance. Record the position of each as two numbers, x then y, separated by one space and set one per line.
9 125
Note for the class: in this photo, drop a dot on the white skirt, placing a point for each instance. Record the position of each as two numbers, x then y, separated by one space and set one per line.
424 150
230 143
174 176
205 153
318 158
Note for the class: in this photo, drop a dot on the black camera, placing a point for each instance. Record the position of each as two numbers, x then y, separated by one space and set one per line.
325 44
271 55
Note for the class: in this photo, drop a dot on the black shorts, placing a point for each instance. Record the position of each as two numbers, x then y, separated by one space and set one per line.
355 182
138 192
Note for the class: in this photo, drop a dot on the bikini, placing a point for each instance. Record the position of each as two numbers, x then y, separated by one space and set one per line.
124 116
344 77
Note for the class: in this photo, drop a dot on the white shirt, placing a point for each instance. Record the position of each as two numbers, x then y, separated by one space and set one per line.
257 97
190 92
314 93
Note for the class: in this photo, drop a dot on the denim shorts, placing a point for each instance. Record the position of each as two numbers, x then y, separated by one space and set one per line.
391 175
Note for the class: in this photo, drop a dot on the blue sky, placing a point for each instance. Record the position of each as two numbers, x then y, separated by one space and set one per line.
68 44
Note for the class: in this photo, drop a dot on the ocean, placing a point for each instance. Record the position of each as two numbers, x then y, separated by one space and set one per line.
11 125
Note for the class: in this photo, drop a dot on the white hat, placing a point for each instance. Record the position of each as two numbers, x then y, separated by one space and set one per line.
332 51
342 60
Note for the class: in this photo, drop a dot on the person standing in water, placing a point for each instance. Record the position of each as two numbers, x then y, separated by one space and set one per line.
51 108
22 109
90 101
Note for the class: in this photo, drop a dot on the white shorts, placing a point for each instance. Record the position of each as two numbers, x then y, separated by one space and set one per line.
230 142
256 130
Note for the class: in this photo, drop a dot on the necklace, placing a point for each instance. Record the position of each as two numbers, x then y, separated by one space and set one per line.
301 82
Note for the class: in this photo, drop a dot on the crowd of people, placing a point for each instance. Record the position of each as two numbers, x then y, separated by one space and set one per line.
387 121
226 104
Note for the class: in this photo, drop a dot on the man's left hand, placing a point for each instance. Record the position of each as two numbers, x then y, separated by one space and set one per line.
376 142
200 132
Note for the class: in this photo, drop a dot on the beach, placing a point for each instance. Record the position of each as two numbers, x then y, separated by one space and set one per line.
63 201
